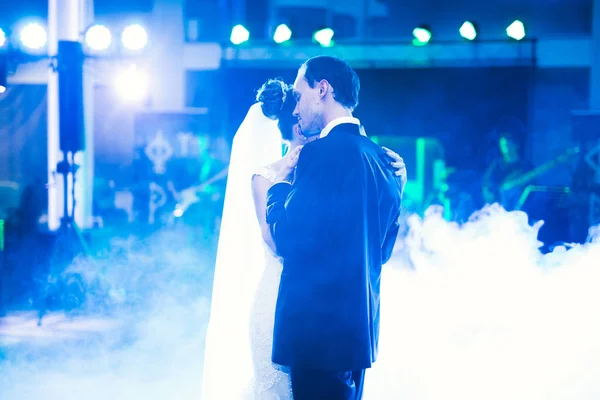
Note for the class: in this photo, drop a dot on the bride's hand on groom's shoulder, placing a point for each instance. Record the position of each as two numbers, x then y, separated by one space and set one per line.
288 165
398 165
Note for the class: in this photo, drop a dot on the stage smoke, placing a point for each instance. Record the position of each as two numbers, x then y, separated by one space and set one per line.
468 312
477 312
139 336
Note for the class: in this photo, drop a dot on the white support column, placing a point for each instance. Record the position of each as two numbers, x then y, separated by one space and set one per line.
85 190
166 46
66 22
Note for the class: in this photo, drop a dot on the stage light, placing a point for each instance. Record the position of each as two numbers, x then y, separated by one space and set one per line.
422 35
134 37
239 35
98 37
33 36
282 34
132 85
324 37
2 38
3 73
516 30
468 30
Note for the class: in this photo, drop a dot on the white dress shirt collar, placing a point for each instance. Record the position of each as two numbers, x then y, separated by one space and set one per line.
336 122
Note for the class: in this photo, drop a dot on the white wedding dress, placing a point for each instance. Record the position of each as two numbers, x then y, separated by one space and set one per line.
237 359
270 381
239 338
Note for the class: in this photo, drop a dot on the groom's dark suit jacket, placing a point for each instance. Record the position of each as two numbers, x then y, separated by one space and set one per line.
334 227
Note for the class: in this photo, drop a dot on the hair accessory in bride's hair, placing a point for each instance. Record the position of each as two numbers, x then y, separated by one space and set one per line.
285 89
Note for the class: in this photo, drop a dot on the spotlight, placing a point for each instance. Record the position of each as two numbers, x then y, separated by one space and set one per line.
516 30
282 34
2 38
98 37
422 35
468 30
324 37
134 37
239 35
33 36
132 85
3 73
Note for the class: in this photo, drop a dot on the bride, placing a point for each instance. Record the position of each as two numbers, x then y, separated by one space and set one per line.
237 359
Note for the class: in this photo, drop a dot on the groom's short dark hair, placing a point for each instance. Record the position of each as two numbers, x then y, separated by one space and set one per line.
340 76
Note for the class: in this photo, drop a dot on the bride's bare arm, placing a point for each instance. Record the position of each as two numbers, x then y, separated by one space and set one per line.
262 181
260 186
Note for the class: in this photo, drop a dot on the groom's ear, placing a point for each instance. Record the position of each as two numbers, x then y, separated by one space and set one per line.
324 88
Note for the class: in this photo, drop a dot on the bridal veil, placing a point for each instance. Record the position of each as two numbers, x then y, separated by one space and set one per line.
240 262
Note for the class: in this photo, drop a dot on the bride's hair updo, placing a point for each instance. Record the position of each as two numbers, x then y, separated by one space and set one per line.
277 102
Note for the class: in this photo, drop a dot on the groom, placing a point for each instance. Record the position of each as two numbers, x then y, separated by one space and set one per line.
334 226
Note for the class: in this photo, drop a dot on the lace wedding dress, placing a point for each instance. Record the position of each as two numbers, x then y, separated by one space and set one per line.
270 381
